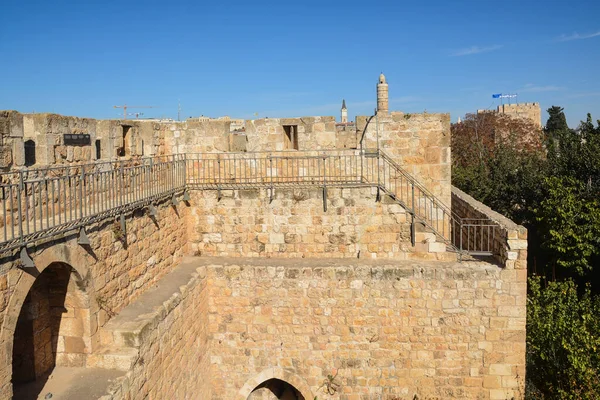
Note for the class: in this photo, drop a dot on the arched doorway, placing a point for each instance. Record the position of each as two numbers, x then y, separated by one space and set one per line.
53 328
275 389
275 383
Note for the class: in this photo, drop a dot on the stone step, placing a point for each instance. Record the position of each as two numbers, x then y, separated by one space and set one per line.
118 358
122 336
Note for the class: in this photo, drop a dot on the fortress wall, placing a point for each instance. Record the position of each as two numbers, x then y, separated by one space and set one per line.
294 224
430 330
314 133
510 239
420 143
111 273
175 356
527 111
192 137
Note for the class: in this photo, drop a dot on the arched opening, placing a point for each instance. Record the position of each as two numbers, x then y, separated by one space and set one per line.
53 329
29 153
275 389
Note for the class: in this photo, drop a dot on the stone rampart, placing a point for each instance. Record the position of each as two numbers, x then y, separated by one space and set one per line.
509 241
168 333
100 280
295 224
336 329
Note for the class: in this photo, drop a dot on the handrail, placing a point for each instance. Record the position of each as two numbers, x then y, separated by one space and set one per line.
40 203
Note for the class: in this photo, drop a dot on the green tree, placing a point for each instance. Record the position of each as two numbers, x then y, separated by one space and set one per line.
557 121
499 161
569 224
563 341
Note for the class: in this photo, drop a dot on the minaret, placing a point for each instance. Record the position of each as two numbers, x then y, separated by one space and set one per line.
344 112
382 95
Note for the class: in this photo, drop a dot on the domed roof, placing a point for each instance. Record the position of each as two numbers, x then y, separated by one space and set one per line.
382 78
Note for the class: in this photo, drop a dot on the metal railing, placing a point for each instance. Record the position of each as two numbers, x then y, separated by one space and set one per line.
43 203
46 202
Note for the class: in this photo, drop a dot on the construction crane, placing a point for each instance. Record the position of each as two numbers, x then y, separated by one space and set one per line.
125 107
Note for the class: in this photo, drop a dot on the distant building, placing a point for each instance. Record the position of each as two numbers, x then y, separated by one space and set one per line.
524 111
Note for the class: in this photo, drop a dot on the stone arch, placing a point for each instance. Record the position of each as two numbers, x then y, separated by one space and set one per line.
275 373
68 262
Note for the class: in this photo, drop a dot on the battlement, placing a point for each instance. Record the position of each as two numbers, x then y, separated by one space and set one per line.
519 106
524 111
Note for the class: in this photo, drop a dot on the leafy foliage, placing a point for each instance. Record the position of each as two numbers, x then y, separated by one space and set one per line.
551 184
569 224
499 161
563 341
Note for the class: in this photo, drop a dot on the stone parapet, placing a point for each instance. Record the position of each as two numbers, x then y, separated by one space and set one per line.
509 240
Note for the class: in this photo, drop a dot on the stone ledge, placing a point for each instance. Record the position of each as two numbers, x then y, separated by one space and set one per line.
487 211
122 336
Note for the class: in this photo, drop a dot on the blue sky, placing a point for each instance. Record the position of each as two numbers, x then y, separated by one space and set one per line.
296 58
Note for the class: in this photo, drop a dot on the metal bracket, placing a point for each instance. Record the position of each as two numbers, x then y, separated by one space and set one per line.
325 198
186 196
26 261
378 195
123 225
83 237
174 200
152 211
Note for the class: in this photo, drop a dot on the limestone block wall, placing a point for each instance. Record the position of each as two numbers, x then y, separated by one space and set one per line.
314 133
526 111
294 224
48 130
193 136
430 330
346 136
113 271
174 357
420 143
11 139
510 239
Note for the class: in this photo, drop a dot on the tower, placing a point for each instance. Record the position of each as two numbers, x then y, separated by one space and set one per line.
382 95
344 112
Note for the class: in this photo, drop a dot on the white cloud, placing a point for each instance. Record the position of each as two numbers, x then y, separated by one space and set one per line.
584 94
577 36
530 87
475 50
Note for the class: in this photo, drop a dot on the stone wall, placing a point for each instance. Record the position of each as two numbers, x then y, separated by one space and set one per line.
431 330
314 133
509 242
114 271
172 359
11 135
525 111
48 130
420 143
355 329
247 223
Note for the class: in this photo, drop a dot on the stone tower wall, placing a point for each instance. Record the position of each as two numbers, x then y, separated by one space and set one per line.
529 111
420 143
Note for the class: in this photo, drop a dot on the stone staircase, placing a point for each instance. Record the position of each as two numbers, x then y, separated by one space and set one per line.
122 336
